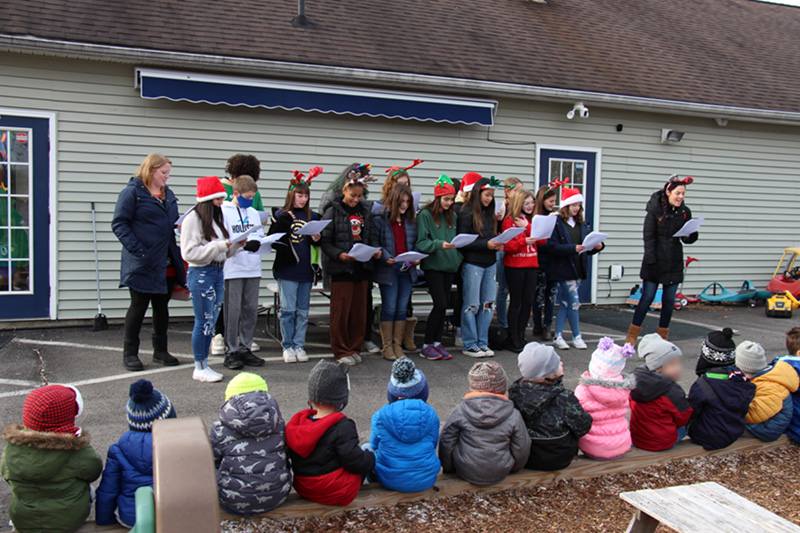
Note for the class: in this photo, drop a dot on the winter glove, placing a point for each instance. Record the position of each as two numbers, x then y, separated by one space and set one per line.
252 246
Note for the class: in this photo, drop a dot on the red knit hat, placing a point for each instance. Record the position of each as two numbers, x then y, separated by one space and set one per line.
570 196
468 181
209 188
53 409
444 186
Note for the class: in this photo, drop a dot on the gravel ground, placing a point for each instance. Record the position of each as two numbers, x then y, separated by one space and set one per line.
766 478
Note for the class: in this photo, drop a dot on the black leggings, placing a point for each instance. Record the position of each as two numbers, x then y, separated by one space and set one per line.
135 315
522 289
439 286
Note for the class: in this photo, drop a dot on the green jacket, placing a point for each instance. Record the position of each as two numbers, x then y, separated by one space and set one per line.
430 238
49 475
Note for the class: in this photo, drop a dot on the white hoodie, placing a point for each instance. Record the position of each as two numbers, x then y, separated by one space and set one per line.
243 264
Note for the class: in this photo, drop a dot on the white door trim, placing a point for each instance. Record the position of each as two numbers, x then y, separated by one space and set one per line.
53 204
597 179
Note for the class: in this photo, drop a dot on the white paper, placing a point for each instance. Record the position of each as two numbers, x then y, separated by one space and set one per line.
363 253
499 208
459 241
313 227
267 242
593 239
377 207
690 227
410 257
508 234
264 216
243 236
183 216
417 196
542 226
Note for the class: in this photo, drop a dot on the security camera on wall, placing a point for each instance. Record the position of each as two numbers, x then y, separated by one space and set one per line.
581 110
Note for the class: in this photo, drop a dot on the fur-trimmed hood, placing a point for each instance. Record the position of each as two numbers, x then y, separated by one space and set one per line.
18 435
628 382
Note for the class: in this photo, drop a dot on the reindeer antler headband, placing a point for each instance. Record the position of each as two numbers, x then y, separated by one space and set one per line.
394 170
299 177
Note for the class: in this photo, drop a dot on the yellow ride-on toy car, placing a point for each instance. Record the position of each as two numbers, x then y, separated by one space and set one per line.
781 305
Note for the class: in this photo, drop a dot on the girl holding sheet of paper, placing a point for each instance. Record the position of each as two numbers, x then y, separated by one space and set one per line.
663 253
544 302
568 266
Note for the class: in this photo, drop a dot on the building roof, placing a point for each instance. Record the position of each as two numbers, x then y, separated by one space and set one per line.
739 53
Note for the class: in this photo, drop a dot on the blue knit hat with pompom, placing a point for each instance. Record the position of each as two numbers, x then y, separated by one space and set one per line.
407 383
146 405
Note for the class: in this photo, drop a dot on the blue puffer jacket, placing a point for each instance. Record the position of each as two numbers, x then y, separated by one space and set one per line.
384 237
794 426
563 259
128 467
145 227
404 436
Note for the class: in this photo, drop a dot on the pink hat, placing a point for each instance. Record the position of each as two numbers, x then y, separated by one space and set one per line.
570 196
209 188
608 360
468 181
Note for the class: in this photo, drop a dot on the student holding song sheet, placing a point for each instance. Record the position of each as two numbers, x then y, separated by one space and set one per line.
662 263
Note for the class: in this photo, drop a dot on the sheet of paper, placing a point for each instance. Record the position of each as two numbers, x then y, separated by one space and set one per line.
243 236
542 226
463 239
417 196
264 216
377 207
410 256
499 208
593 239
183 216
363 253
690 227
508 234
267 242
313 227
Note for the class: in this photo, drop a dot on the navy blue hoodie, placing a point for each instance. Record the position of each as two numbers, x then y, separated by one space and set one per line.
720 399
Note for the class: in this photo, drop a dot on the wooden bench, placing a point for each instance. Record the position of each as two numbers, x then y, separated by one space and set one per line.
701 508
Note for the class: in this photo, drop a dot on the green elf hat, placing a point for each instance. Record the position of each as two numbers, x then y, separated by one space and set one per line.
444 186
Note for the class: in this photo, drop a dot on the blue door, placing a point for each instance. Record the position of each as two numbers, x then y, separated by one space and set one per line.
24 217
581 169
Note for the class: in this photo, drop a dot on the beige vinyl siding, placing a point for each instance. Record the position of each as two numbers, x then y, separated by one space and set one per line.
746 174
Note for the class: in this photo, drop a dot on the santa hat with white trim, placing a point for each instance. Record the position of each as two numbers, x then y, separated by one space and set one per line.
570 196
209 188
468 181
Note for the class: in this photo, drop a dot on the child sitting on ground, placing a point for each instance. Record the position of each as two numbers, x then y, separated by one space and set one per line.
49 463
329 467
721 395
130 461
553 415
793 359
771 410
484 438
659 408
405 433
250 448
605 393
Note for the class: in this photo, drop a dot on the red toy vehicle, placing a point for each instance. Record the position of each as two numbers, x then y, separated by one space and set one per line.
787 275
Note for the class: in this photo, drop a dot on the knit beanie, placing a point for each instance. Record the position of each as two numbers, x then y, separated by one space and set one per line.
488 376
718 350
146 405
407 383
329 384
245 382
209 188
537 361
53 409
751 357
656 351
608 360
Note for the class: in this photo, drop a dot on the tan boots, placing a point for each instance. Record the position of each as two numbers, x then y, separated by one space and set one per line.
408 334
398 331
663 333
387 341
633 335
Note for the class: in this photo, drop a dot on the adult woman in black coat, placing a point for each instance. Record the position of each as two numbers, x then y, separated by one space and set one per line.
663 254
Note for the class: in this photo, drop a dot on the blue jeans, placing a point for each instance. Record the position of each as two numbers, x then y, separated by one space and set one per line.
295 300
502 291
207 285
568 305
476 313
395 297
682 431
649 289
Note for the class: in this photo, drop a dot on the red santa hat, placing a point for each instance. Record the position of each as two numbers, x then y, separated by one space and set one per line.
570 196
468 181
53 409
209 188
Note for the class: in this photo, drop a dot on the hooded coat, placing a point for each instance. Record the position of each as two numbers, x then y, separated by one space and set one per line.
484 439
771 411
658 408
793 430
720 405
663 253
608 402
128 467
49 475
404 436
250 454
554 419
329 466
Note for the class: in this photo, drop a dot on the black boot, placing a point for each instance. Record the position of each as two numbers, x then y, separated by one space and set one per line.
130 355
249 359
233 361
512 343
160 352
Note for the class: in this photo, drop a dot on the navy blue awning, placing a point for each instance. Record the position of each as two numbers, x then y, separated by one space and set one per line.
254 92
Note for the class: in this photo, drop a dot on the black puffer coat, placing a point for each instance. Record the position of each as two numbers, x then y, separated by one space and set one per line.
663 253
337 237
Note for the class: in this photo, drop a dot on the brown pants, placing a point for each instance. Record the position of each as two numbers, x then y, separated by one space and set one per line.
348 315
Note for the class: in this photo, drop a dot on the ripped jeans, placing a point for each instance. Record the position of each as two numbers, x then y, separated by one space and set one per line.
476 314
207 285
568 305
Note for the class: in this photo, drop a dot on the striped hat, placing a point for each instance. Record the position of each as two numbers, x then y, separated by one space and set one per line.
146 405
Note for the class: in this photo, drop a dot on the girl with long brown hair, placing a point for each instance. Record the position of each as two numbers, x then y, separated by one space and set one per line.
544 301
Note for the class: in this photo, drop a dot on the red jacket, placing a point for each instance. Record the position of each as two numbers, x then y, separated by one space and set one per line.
658 408
518 254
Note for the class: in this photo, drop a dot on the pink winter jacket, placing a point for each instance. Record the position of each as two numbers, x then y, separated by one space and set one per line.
607 401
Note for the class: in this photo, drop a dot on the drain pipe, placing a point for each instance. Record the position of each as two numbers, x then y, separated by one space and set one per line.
301 20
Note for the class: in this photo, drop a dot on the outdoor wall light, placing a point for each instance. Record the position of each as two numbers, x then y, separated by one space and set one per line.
669 136
581 110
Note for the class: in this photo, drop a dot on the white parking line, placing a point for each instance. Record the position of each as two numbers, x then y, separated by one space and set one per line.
18 382
85 346
679 320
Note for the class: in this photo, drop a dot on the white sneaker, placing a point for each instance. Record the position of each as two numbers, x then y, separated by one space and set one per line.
357 358
218 345
349 360
459 343
371 347
560 343
254 347
206 376
289 355
487 352
301 354
578 343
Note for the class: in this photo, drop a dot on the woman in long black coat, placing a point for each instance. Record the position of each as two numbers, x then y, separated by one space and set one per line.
663 254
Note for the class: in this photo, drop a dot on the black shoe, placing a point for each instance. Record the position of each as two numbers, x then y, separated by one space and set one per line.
132 363
547 334
165 358
249 359
233 361
512 344
537 330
